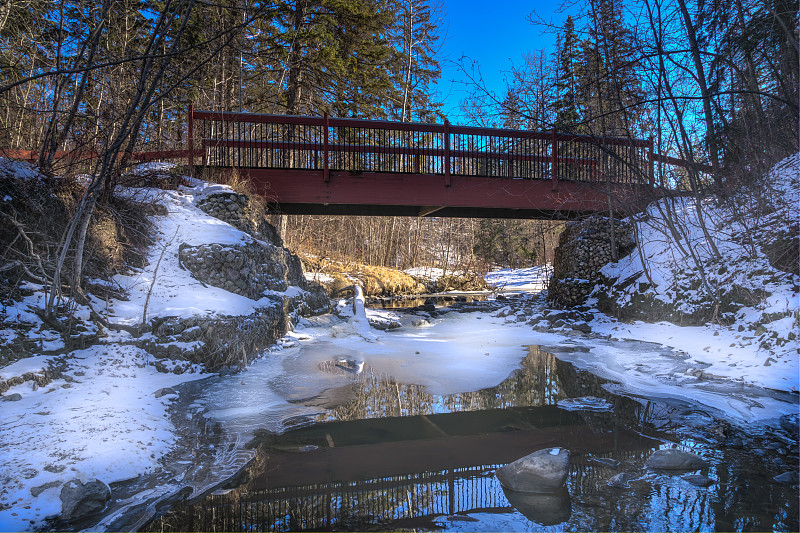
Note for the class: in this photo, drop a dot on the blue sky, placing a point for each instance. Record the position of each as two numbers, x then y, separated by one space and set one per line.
496 34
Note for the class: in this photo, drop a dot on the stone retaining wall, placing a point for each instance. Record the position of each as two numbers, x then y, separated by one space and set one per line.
583 249
236 210
258 269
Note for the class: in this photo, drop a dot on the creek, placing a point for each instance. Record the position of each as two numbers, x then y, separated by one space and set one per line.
338 432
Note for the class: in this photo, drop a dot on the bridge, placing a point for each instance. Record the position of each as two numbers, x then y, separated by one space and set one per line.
324 165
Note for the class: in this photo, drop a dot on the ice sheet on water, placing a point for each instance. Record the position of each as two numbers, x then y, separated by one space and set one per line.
654 371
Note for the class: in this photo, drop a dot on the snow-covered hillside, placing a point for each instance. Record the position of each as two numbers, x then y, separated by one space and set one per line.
105 413
750 305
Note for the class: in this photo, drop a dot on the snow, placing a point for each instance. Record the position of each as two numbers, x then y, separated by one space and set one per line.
431 273
758 347
17 169
533 279
319 277
102 421
37 363
722 355
175 292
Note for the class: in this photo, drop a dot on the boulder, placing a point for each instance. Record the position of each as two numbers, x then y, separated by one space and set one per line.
789 423
542 471
79 500
15 397
165 391
675 460
583 327
697 480
787 478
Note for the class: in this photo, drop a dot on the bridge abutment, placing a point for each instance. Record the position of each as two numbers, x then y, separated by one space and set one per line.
583 249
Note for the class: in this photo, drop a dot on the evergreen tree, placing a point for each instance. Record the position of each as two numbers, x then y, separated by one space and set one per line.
566 106
610 86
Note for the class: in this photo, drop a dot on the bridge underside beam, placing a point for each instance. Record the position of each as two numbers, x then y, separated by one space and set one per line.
387 194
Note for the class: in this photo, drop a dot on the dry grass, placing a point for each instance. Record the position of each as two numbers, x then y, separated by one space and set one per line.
34 223
376 281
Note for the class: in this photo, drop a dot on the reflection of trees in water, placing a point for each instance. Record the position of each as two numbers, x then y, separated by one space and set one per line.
535 383
742 498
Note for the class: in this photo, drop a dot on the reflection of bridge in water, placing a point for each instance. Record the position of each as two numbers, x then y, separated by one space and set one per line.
408 471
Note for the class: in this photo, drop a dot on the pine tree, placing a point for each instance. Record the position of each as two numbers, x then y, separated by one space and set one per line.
566 106
610 88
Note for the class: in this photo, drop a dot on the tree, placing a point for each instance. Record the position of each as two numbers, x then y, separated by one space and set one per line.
566 106
610 82
414 37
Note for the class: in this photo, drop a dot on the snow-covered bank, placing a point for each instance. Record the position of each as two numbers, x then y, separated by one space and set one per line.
100 420
104 411
751 332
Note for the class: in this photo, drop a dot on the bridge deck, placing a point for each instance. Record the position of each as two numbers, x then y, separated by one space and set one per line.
322 165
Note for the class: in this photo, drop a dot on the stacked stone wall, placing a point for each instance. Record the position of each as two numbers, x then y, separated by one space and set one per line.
237 210
260 269
583 249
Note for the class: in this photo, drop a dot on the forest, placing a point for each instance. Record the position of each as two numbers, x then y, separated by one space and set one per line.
714 83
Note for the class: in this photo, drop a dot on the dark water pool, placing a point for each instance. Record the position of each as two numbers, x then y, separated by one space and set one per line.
390 456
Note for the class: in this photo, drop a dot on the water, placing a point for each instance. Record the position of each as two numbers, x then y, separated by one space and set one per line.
368 451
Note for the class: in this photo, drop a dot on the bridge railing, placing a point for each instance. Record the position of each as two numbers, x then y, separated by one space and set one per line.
249 140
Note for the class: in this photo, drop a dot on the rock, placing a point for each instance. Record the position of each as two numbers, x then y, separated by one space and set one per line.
733 442
698 480
36 491
79 500
165 391
620 481
12 397
789 423
675 460
583 327
546 509
542 471
787 478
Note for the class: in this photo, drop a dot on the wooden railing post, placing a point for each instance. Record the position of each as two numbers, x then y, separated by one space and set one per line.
446 153
554 160
190 139
510 148
326 171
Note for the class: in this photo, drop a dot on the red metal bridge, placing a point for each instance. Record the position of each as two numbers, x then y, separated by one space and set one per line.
322 165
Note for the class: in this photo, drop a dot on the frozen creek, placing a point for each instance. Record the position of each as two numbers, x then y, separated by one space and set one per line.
629 398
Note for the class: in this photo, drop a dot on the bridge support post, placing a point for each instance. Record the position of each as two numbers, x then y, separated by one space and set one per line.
446 153
190 139
326 169
554 160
